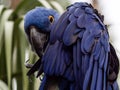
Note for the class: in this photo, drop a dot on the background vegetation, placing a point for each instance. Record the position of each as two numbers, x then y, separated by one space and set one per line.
14 48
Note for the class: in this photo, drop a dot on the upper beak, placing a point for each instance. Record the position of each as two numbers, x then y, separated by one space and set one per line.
38 40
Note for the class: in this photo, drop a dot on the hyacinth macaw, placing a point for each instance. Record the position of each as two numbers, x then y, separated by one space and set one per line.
74 50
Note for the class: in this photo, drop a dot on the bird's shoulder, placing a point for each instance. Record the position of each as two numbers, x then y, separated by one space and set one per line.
75 21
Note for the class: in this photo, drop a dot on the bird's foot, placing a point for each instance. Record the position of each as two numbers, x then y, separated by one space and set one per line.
27 65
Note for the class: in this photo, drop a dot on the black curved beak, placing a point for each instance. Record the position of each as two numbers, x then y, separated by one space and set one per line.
38 40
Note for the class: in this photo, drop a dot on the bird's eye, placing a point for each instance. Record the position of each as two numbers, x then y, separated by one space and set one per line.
51 18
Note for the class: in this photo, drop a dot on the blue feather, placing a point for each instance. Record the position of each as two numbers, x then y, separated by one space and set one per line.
94 76
74 62
81 21
89 42
79 54
58 28
88 75
61 28
71 9
102 57
68 37
72 17
78 11
97 50
99 82
86 34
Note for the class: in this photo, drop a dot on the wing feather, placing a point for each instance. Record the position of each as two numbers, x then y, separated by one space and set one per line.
77 12
59 28
79 55
87 79
68 36
48 65
75 63
100 80
94 76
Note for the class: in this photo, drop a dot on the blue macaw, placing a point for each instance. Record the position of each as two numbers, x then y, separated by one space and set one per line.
37 27
74 49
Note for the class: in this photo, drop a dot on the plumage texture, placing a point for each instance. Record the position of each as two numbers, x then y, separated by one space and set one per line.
79 55
79 42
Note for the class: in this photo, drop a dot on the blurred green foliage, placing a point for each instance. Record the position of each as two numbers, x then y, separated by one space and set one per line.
14 48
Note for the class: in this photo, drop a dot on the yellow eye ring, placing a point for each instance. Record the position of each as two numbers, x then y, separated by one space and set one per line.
51 18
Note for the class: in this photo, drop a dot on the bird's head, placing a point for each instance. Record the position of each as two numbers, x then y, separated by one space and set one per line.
37 25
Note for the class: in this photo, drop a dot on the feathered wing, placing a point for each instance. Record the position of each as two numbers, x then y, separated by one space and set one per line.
78 49
89 38
81 28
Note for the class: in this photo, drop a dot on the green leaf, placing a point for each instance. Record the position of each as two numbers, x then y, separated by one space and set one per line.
1 9
3 18
63 3
8 48
23 51
7 26
57 6
45 3
23 7
17 60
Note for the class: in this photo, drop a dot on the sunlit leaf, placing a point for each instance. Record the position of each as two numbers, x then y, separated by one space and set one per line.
63 3
23 7
45 3
3 18
57 6
1 9
18 60
8 48
3 86
4 26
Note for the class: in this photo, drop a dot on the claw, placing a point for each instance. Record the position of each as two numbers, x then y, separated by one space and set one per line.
27 64
41 77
